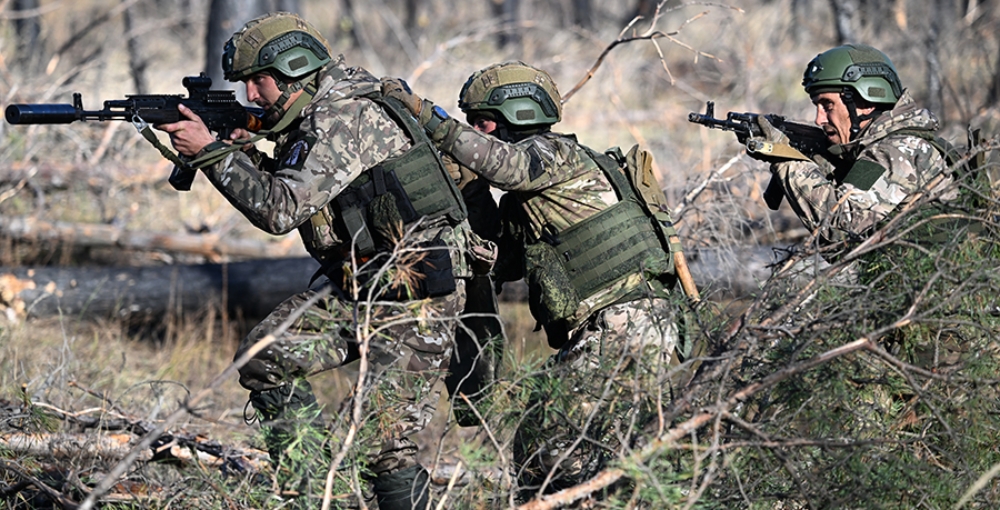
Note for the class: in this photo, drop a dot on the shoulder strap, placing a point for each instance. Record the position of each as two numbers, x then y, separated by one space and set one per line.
949 151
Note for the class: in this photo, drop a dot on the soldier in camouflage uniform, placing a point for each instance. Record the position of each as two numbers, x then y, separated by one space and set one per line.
881 146
374 204
598 276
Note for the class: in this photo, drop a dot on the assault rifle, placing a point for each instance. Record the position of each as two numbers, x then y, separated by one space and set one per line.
219 109
805 140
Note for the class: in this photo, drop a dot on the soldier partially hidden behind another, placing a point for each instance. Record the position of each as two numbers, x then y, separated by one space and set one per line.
367 192
883 147
599 275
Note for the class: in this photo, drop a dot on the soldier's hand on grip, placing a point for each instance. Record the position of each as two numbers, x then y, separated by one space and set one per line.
772 145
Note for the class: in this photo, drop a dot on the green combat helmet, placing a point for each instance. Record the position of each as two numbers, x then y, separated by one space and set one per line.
855 70
281 44
522 95
864 69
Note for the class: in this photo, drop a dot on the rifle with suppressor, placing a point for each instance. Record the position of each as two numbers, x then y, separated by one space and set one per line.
805 141
218 109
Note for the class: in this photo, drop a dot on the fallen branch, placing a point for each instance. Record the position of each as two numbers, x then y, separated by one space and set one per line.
212 246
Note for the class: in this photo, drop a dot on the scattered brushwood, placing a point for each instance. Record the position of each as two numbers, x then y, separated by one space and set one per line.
53 457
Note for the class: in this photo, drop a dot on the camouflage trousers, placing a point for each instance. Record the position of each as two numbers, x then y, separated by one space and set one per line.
592 398
409 345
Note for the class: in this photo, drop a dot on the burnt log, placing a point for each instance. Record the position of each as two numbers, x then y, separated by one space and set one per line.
254 287
251 288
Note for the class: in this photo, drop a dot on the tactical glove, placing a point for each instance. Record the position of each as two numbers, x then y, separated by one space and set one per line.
773 145
771 133
458 172
427 114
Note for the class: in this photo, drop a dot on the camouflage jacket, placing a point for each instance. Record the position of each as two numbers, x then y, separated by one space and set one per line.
821 198
556 185
336 137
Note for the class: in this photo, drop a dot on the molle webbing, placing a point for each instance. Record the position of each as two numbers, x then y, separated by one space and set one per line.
426 188
616 242
655 206
609 245
417 180
420 170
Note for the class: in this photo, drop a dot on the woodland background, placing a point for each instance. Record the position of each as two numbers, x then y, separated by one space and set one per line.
63 370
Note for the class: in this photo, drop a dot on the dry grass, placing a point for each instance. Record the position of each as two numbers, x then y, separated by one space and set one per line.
111 175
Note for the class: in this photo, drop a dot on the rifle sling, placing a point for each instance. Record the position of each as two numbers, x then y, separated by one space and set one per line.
214 153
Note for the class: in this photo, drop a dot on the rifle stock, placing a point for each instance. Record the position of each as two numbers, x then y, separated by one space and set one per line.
805 141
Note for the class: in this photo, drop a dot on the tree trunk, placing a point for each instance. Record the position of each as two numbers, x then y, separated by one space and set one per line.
136 57
251 288
994 96
844 13
224 18
29 52
255 287
412 18
935 94
506 13
583 14
90 235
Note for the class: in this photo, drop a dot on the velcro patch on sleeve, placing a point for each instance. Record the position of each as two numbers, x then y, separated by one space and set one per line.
863 174
296 151
536 167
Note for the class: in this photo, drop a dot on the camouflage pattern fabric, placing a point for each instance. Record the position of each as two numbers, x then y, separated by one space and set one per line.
606 373
610 379
816 191
556 182
409 352
338 136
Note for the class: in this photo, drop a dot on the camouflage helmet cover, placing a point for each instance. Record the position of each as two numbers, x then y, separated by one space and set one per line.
281 42
863 68
521 94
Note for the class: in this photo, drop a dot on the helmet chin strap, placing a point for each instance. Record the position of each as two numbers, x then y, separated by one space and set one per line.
287 89
847 95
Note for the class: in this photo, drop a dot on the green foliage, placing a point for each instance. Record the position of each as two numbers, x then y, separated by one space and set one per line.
911 422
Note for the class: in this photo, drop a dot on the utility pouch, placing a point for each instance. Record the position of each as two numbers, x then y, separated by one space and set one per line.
318 234
639 169
357 229
551 295
435 266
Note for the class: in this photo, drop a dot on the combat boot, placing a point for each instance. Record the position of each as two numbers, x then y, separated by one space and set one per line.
406 489
294 433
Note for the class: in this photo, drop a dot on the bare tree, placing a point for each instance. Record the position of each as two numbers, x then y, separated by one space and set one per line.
136 56
583 13
412 19
845 14
994 96
283 5
935 94
506 13
28 29
224 18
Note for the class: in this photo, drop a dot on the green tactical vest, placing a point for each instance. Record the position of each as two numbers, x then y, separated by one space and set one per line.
375 208
564 268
